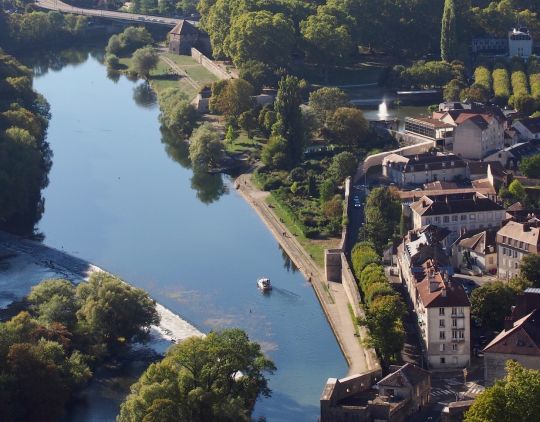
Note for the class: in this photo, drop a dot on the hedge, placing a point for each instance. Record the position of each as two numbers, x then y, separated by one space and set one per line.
362 255
534 78
501 84
519 78
482 76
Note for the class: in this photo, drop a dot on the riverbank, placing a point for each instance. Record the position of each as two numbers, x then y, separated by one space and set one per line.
27 262
331 295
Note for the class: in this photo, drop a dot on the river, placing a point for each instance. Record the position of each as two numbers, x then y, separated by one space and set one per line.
124 200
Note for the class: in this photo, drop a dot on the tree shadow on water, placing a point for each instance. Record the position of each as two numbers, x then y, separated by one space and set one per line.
144 95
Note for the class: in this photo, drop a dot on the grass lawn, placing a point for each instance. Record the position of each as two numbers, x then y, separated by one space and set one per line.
195 71
314 247
243 144
361 73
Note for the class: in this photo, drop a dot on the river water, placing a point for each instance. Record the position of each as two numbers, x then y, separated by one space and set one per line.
123 199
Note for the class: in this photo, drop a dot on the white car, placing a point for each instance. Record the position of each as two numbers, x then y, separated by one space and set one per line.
474 270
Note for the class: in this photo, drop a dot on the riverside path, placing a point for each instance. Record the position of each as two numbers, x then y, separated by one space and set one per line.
331 295
109 14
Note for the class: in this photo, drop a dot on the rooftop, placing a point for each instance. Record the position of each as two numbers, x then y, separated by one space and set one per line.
436 292
523 338
454 204
482 242
528 233
532 124
406 375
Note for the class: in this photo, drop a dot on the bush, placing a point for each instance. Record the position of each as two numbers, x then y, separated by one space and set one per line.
482 76
519 78
376 290
362 255
501 84
534 78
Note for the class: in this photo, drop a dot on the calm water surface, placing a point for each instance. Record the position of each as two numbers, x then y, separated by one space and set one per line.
121 198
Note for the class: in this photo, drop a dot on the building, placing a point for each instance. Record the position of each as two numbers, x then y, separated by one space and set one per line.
404 391
510 157
185 36
423 168
519 341
514 241
478 135
520 43
528 128
457 212
443 311
490 45
477 248
429 128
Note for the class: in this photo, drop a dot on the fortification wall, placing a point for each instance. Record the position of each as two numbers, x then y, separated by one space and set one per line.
210 65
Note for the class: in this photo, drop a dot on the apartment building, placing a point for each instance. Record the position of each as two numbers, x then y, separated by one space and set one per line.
514 241
457 212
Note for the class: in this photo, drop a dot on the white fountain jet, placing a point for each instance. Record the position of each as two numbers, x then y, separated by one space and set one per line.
383 111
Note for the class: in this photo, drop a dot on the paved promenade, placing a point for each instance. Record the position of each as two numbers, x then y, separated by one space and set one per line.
66 8
334 301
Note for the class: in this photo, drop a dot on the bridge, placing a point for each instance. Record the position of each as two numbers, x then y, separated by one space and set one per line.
108 14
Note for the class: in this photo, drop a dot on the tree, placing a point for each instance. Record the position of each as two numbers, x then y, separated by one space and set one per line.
347 127
327 190
530 166
258 74
143 61
325 101
343 165
362 255
275 153
231 97
326 40
229 135
54 301
205 148
452 90
248 121
261 36
289 116
217 377
517 191
177 113
383 319
491 303
475 93
530 268
382 212
514 398
112 311
525 104
448 32
333 208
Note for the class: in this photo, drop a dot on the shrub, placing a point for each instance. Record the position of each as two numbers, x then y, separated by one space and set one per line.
362 255
377 290
482 76
501 84
534 78
519 78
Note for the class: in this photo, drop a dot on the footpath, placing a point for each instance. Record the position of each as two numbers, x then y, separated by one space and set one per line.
331 295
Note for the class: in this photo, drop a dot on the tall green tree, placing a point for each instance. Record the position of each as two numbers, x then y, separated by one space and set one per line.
514 398
491 303
143 61
449 41
289 123
215 378
530 268
205 148
382 213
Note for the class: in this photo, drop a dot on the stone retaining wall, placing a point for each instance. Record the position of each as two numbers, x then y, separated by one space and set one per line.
210 65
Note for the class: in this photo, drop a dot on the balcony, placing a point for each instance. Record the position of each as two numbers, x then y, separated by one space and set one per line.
462 315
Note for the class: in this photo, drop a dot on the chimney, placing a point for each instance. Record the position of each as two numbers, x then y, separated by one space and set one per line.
424 203
526 227
508 323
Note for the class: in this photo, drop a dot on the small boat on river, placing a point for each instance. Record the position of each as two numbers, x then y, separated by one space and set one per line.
264 284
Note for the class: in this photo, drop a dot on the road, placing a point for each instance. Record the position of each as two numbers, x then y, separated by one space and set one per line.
66 8
356 216
331 295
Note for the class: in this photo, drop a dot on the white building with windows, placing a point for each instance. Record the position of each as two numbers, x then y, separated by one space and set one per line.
443 311
514 241
457 212
520 43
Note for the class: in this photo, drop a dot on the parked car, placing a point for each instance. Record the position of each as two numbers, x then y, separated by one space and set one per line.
473 270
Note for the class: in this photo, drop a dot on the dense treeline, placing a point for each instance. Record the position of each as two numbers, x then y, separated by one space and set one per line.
24 30
25 157
501 83
47 352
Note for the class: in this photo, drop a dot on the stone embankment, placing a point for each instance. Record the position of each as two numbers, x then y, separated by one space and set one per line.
331 295
51 262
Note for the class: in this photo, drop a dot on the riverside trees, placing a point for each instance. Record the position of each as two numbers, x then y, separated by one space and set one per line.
47 352
218 378
25 157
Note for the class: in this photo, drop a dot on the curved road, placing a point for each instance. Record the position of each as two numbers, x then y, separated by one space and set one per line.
66 8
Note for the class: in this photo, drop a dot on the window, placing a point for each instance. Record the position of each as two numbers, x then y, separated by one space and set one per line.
442 335
428 220
520 245
454 322
441 347
461 334
454 334
437 219
504 239
454 347
504 251
472 217
441 311
463 217
516 265
446 219
454 218
461 310
515 254
441 323
443 360
454 311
